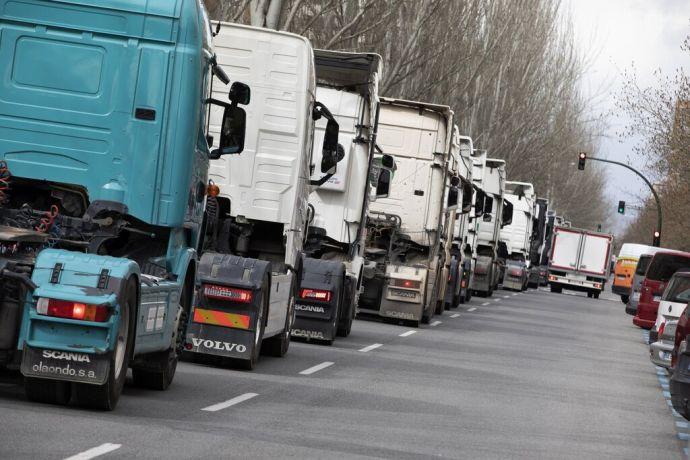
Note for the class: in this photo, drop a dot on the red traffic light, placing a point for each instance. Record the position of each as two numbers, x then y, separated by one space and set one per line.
583 156
581 161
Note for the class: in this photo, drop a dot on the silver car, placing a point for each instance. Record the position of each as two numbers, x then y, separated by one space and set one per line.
660 351
640 271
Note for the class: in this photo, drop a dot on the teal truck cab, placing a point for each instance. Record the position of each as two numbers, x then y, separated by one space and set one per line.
103 178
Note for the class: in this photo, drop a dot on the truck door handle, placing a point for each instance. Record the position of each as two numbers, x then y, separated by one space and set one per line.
583 266
572 265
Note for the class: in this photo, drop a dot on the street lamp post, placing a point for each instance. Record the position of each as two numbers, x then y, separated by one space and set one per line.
657 233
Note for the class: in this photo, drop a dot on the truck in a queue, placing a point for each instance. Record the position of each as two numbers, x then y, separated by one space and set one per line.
334 251
580 260
103 188
489 176
257 219
404 231
459 252
537 273
517 235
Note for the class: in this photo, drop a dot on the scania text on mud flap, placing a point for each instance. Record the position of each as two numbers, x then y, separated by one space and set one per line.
103 175
257 223
405 238
334 249
517 235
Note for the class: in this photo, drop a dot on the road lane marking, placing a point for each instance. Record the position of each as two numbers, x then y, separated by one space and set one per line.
95 452
317 368
455 315
473 309
507 296
230 402
485 304
371 347
497 300
407 334
516 294
435 323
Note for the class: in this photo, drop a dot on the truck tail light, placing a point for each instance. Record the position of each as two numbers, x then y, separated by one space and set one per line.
515 272
214 291
409 284
72 310
315 294
662 326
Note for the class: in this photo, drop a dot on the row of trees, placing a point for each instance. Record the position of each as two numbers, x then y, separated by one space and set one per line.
661 116
508 68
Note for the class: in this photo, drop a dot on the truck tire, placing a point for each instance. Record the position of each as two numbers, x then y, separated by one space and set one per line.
556 289
278 345
347 310
596 294
625 299
162 365
106 396
47 391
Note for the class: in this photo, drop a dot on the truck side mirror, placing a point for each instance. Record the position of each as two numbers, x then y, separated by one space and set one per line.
487 218
387 161
383 186
488 205
232 132
240 93
332 152
466 197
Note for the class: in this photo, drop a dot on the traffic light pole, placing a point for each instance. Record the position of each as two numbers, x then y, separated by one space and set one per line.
657 241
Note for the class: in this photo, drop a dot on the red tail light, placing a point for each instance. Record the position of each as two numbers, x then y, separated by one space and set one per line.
214 291
315 294
73 310
515 272
661 329
409 284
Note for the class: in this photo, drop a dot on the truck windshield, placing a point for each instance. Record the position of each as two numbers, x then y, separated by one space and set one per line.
678 290
663 266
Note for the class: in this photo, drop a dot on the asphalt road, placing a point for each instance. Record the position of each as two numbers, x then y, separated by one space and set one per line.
530 375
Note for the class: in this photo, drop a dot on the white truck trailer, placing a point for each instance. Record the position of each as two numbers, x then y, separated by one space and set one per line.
334 251
404 241
489 176
257 221
460 251
579 260
517 235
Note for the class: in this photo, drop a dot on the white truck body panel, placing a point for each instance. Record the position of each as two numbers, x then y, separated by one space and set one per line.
580 254
419 143
493 184
565 250
595 254
517 234
269 180
338 202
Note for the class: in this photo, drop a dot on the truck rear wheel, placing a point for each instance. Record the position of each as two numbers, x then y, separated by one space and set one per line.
596 294
47 391
163 364
556 289
346 309
106 396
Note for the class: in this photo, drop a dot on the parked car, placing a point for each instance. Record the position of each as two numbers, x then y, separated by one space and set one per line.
624 268
660 351
660 270
676 296
680 366
640 271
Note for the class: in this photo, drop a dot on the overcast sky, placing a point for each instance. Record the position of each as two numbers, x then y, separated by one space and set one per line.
614 34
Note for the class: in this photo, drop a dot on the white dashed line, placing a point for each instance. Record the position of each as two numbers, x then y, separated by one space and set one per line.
497 300
95 452
435 323
230 402
456 315
371 347
317 368
517 293
473 309
507 296
485 304
407 334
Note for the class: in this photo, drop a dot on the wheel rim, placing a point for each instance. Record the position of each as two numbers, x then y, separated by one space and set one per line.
121 345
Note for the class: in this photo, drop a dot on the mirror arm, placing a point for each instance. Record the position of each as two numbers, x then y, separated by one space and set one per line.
213 101
318 183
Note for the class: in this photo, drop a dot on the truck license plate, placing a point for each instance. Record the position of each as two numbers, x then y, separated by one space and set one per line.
406 294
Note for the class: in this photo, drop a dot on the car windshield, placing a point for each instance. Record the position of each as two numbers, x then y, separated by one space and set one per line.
642 265
678 290
663 266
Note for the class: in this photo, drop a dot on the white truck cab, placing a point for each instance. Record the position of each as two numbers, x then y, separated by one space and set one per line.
517 235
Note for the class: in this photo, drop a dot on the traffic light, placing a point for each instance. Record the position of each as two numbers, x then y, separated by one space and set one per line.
621 207
581 162
599 227
657 239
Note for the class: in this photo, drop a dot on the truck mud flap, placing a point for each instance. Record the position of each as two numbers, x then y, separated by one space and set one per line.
316 305
219 341
224 319
65 365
